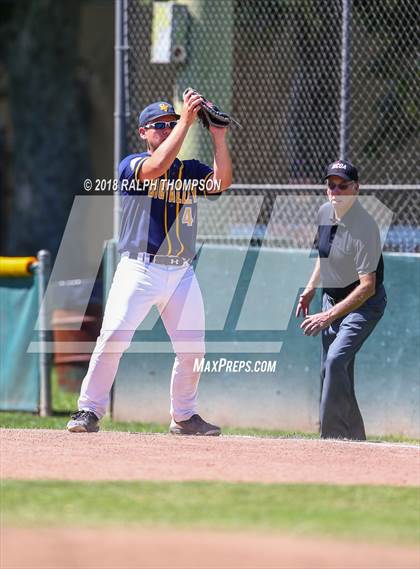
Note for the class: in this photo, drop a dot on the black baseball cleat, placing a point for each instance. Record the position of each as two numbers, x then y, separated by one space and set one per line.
194 426
83 422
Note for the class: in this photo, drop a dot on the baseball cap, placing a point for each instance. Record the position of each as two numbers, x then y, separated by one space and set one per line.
155 110
344 169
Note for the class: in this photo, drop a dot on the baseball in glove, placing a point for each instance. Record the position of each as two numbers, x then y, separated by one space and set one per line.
211 115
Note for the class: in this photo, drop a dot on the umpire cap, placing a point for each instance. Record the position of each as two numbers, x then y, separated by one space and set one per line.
344 169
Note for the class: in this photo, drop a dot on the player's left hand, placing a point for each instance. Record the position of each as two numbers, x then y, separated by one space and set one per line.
313 324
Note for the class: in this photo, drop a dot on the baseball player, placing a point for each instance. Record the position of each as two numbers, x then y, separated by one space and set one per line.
159 196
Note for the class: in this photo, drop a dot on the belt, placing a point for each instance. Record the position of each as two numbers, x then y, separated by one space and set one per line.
331 300
170 260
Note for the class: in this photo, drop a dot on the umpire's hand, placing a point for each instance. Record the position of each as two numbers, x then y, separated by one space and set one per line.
305 300
312 325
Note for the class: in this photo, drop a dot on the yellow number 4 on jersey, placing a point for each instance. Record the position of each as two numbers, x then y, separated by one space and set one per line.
187 218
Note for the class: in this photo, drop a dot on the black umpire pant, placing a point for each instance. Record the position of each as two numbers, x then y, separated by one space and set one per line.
339 412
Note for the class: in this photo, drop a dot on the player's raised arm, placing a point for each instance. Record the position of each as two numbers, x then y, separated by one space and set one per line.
222 164
163 153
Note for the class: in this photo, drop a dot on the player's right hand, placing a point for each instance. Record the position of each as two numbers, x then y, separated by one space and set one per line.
305 300
192 103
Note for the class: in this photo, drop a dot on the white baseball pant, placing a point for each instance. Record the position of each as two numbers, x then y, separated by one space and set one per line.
136 287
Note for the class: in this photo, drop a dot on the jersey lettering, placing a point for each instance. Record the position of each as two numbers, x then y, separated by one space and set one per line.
174 191
157 225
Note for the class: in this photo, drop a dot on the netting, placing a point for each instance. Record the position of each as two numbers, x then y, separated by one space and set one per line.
385 91
277 67
284 217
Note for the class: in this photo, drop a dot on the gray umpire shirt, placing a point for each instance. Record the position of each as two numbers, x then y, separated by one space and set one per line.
347 248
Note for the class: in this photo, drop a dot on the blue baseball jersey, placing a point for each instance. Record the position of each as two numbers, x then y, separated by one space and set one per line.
160 216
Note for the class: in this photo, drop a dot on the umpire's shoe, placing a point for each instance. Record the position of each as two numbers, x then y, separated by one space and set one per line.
194 426
83 422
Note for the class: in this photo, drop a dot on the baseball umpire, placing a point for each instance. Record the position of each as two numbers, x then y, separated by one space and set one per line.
159 196
350 268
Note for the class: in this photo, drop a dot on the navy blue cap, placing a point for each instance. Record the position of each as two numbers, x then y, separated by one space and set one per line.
344 169
155 110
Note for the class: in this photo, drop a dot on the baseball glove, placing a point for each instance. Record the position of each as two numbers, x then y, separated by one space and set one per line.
211 115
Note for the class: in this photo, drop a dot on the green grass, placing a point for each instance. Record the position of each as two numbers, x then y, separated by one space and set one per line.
9 420
61 400
64 402
384 514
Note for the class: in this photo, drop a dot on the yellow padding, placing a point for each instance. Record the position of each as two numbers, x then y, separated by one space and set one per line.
16 266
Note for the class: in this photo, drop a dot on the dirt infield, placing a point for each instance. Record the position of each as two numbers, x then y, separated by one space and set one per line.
129 549
51 454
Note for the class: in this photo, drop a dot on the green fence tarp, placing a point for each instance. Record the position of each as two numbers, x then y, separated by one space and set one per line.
19 370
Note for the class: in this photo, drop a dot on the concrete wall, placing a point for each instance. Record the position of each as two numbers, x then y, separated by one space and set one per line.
387 372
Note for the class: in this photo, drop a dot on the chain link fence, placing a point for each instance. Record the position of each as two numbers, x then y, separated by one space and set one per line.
282 69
